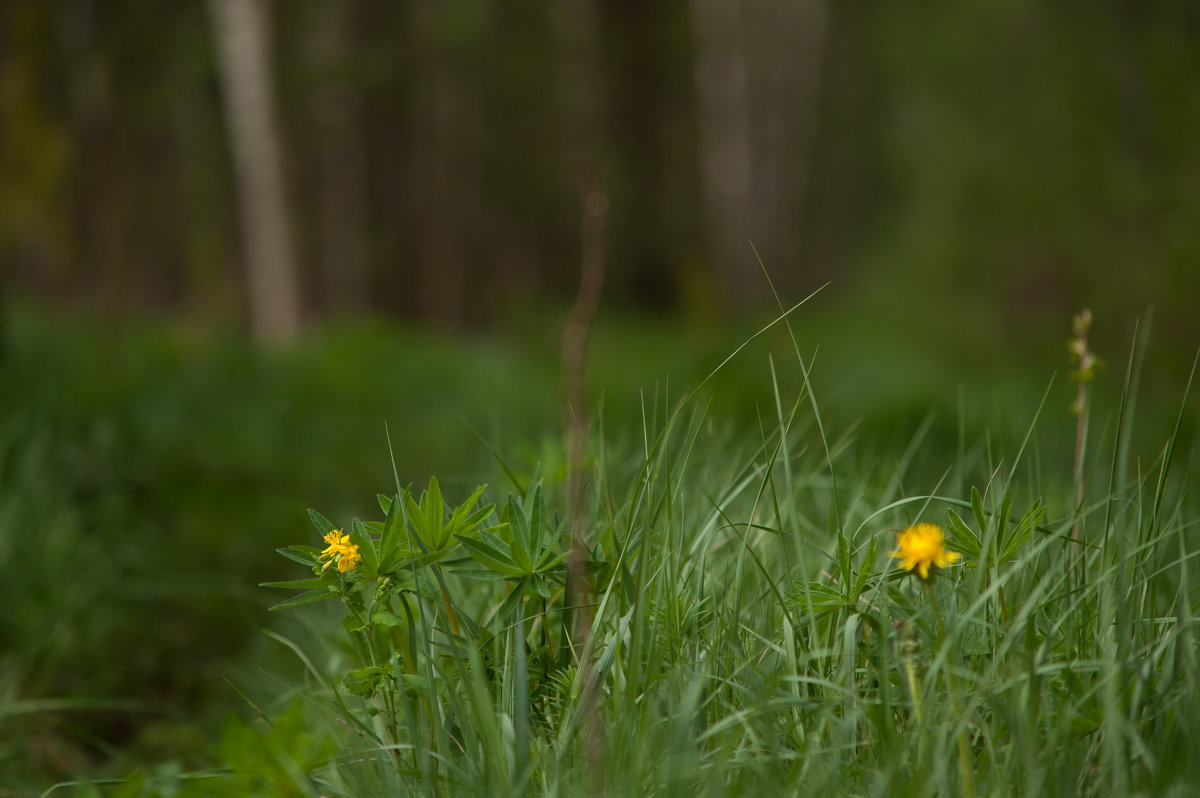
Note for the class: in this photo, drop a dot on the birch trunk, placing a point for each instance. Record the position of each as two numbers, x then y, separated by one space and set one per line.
758 73
243 55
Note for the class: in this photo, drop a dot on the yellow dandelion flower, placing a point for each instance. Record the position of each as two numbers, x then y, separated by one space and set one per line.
921 546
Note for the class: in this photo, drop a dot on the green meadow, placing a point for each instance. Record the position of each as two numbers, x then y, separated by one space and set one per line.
594 399
702 600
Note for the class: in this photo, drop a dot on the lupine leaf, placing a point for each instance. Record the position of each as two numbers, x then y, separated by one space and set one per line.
307 597
323 524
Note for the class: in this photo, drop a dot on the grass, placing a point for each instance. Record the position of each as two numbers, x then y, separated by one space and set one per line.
749 633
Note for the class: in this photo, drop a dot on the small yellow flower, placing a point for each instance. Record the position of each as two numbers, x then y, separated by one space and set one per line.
341 551
920 546
337 543
349 558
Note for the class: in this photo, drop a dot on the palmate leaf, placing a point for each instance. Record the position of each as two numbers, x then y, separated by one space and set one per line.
824 598
530 548
418 519
1022 531
430 535
520 557
489 551
405 559
964 540
550 560
462 517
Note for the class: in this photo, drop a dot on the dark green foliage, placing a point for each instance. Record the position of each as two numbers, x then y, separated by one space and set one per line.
146 478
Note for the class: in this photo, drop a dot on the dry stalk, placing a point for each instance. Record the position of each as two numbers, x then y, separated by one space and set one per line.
1082 376
574 355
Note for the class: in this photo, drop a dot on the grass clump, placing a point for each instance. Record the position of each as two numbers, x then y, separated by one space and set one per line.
790 611
740 626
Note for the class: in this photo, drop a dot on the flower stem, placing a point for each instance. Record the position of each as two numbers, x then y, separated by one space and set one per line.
387 692
964 758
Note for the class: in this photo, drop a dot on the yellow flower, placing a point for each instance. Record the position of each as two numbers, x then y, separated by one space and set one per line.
337 543
341 551
920 546
349 558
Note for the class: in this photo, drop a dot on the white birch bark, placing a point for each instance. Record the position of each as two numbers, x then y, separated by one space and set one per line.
243 55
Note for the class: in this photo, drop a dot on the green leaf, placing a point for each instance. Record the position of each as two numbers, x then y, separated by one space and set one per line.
415 685
418 521
365 681
550 560
867 567
963 539
305 555
297 584
435 511
305 598
537 521
1024 528
468 524
460 514
404 559
366 547
323 524
977 508
844 560
393 525
825 598
508 609
1005 511
383 618
520 557
520 525
385 502
481 574
490 556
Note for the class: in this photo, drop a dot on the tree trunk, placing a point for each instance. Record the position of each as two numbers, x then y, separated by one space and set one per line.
758 72
785 52
724 143
337 114
243 54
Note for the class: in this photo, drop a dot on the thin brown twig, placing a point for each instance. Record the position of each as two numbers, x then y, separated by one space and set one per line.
574 355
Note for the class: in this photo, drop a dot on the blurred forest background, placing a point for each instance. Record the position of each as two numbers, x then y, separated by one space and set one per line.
1017 159
401 187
